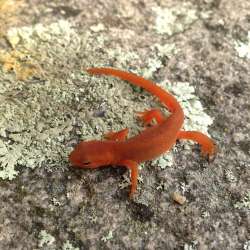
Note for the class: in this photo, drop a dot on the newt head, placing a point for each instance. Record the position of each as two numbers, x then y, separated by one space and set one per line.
92 154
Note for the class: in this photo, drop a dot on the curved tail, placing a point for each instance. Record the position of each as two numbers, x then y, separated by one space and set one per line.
165 97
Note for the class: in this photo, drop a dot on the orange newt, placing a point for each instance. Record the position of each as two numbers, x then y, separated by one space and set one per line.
149 144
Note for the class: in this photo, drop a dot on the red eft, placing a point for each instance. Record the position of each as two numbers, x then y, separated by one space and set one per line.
116 150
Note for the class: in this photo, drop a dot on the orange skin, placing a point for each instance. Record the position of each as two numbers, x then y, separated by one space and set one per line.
149 144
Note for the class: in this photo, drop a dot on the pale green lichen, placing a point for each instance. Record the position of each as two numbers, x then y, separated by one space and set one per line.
93 218
230 176
195 116
161 185
97 28
243 49
68 246
48 241
56 202
125 182
36 133
244 203
166 160
33 36
246 245
174 19
36 116
122 57
45 239
192 246
205 214
8 160
108 237
167 50
153 64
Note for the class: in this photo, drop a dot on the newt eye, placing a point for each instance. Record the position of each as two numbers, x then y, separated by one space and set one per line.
86 163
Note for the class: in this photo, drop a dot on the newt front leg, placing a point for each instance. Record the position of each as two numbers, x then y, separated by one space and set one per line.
133 166
117 136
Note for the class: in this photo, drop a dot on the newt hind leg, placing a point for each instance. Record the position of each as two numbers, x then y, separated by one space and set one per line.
149 115
208 148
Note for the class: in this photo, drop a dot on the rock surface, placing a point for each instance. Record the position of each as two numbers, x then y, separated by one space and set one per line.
48 104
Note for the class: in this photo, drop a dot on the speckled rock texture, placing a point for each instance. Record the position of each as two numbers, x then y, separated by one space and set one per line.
48 104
